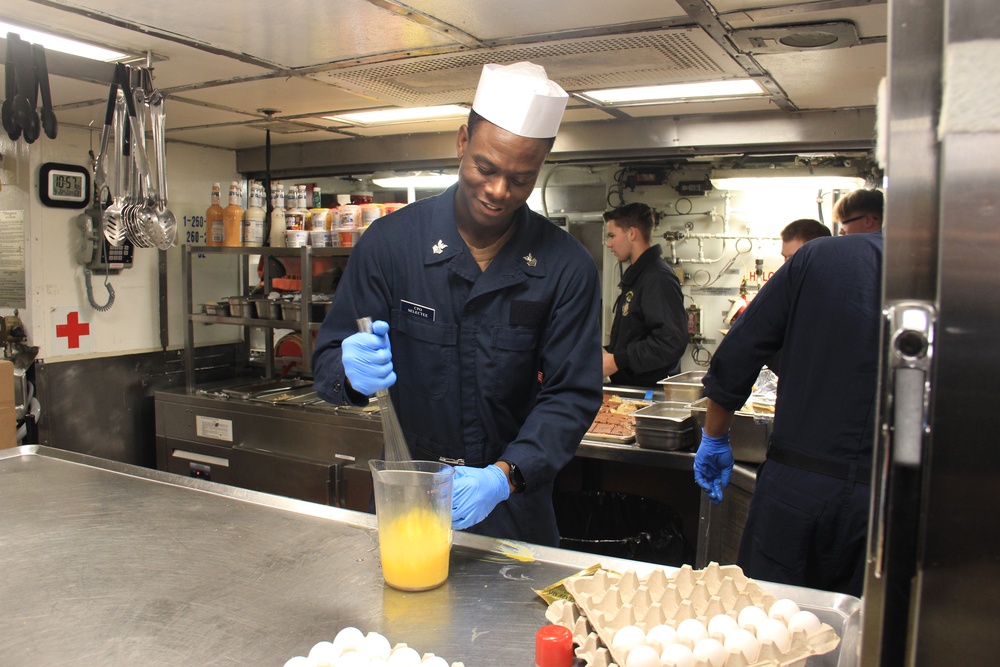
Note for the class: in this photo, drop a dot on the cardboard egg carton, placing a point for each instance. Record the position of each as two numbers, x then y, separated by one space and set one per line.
606 601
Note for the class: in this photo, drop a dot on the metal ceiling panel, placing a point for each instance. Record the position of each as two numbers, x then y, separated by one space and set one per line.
290 95
666 56
491 20
241 136
289 34
830 79
699 108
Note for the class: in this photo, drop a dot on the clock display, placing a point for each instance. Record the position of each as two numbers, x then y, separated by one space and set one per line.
64 185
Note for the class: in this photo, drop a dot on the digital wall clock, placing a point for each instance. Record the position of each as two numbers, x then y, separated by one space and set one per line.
64 185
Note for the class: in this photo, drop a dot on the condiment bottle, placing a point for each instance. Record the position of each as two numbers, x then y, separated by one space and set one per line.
253 231
276 239
295 218
213 217
232 218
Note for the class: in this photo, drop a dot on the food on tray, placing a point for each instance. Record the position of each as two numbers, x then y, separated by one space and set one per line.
615 416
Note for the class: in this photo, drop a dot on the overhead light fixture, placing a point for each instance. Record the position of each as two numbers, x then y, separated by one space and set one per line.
401 115
424 180
675 92
71 46
829 178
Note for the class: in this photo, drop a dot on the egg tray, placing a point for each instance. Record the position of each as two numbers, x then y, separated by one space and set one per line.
606 601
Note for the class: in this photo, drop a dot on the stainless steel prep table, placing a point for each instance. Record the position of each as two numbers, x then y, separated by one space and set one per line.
109 564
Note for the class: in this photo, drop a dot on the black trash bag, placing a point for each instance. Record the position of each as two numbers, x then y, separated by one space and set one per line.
620 525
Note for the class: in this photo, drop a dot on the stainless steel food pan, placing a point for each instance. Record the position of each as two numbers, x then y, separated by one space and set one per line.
747 436
685 387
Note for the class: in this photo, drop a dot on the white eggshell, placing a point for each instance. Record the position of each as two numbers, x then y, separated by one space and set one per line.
783 610
711 651
643 656
751 617
775 631
744 642
348 639
324 653
353 659
661 636
692 630
804 620
375 645
627 638
300 661
434 661
404 657
677 655
720 624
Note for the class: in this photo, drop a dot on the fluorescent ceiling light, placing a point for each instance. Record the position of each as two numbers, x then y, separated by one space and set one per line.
675 92
417 179
401 115
784 179
62 44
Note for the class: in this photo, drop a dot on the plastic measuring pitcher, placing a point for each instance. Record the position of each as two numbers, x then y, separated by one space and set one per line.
413 506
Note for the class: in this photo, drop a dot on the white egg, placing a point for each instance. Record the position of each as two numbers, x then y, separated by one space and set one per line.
643 656
377 662
300 661
627 638
804 620
742 641
776 632
751 617
711 651
783 610
403 657
434 661
348 639
324 653
692 630
375 645
661 636
720 624
353 659
677 655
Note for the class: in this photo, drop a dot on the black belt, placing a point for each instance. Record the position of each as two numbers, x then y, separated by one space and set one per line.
846 470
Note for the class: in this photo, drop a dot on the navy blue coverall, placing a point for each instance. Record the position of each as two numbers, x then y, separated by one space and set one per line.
502 363
808 517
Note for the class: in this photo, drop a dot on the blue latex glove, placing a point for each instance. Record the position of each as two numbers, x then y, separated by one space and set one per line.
713 465
368 359
475 492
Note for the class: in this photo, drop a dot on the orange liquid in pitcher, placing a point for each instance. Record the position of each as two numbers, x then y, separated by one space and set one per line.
415 548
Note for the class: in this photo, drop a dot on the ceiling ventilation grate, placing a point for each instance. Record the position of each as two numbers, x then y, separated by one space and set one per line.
670 56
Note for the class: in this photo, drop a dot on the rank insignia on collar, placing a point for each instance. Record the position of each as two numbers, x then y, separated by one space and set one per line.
439 247
529 260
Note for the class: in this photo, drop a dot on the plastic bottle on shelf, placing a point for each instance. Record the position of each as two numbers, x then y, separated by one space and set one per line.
232 218
319 217
295 217
213 217
276 239
253 232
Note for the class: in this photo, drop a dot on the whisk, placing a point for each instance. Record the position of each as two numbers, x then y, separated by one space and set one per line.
396 449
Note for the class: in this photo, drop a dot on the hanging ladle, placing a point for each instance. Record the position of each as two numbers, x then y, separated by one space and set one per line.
49 123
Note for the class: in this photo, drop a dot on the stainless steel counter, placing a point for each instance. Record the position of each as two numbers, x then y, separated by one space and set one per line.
110 564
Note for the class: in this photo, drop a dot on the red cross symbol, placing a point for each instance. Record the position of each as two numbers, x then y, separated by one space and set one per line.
72 330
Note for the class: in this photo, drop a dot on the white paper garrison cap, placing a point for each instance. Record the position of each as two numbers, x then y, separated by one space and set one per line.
521 99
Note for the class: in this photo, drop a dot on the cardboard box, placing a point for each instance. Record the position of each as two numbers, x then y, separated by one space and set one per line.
8 417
